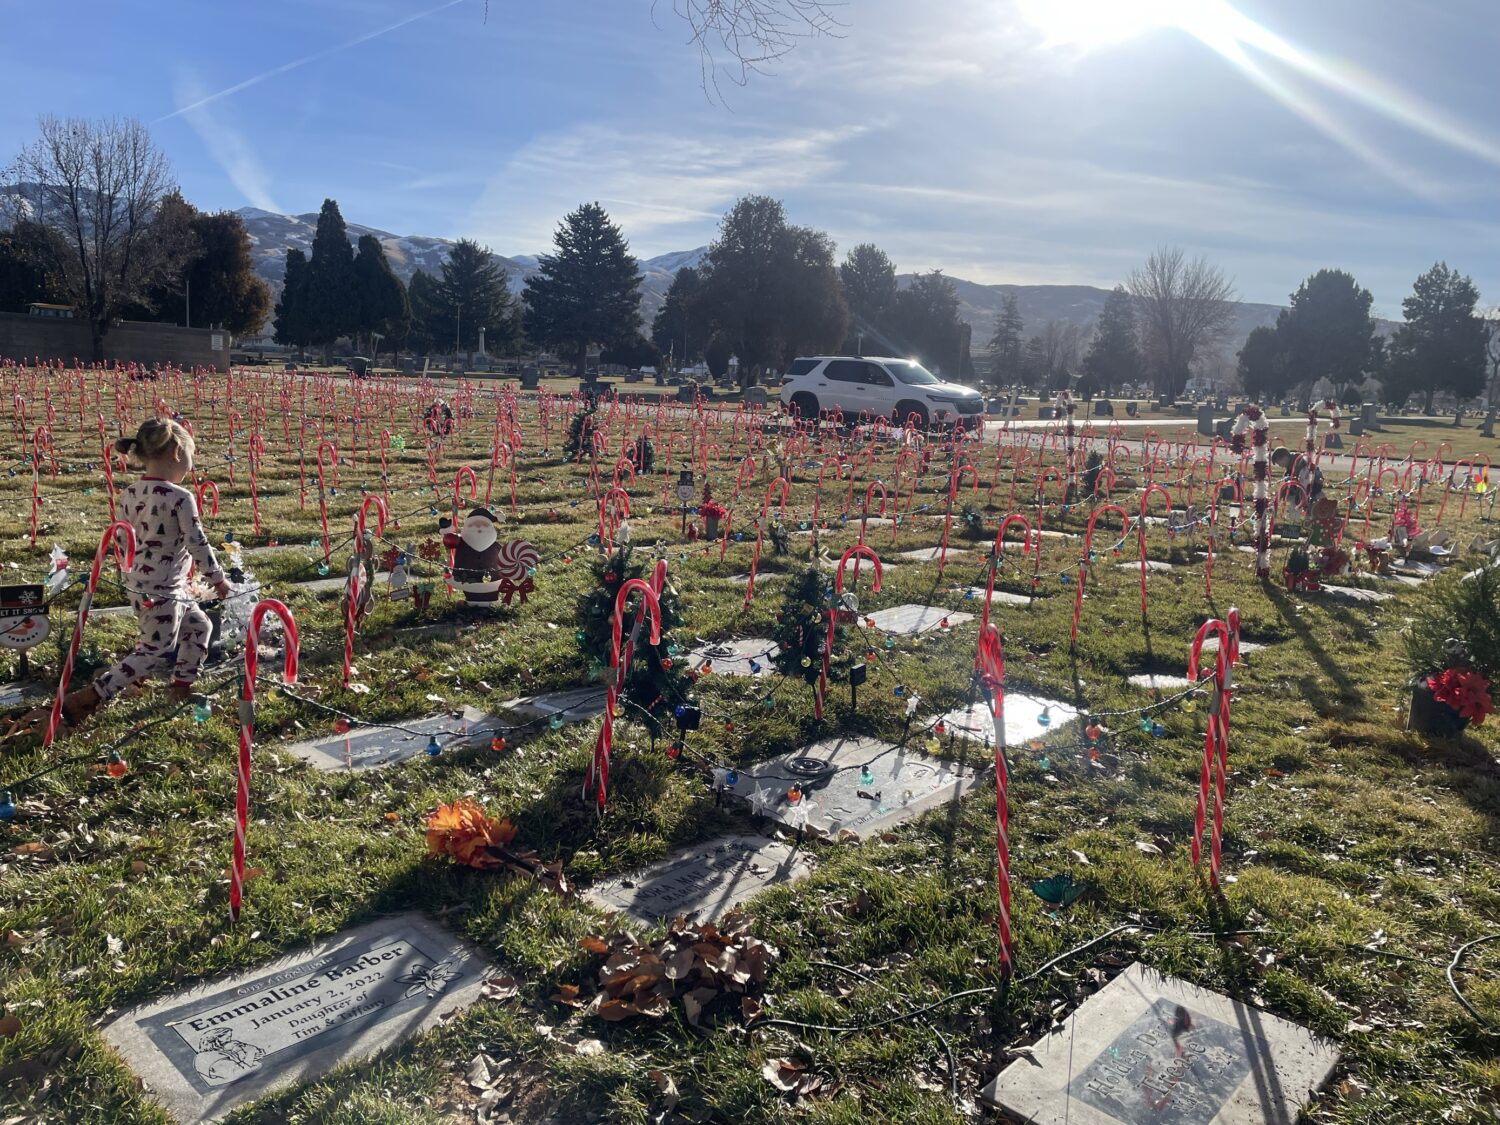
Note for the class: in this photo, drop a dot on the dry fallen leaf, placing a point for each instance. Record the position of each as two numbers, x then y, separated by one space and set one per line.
500 988
566 994
9 1025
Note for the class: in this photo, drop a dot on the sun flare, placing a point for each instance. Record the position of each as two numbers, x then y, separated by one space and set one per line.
1087 24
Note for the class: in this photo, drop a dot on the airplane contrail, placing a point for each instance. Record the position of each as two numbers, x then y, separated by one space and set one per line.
304 60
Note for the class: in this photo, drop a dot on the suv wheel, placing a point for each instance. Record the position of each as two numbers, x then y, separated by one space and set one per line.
805 403
905 409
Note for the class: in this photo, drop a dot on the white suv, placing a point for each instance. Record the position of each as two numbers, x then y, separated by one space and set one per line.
878 386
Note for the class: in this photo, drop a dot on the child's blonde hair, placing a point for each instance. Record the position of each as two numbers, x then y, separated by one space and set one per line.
156 439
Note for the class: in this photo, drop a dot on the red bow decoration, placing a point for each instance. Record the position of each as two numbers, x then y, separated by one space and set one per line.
509 589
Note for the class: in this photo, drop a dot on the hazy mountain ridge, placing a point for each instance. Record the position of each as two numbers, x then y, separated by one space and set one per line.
272 235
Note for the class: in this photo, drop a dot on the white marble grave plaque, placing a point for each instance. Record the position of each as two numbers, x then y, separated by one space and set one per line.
1153 566
1153 1049
1004 597
15 694
1357 594
733 657
216 1046
1160 681
901 783
366 748
572 706
706 880
912 619
1026 717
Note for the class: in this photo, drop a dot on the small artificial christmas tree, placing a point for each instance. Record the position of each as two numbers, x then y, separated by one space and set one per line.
657 680
802 629
581 428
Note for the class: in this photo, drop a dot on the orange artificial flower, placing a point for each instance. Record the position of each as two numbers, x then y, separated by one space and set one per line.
463 831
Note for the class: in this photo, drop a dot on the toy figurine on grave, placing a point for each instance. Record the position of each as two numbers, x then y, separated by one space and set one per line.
476 556
438 418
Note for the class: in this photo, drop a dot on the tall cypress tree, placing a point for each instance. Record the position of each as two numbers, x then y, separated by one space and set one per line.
331 309
588 291
379 295
1113 357
292 325
1008 342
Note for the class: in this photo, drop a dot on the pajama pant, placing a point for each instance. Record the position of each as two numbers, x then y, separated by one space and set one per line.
173 623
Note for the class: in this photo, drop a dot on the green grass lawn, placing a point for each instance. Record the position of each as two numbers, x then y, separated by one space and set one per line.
1360 856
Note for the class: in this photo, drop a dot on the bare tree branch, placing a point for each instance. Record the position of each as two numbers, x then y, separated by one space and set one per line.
738 38
1182 307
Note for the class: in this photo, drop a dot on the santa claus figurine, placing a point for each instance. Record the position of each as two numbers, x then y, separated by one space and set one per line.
476 556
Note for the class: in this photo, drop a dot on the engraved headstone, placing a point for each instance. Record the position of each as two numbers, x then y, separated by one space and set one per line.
706 879
367 748
910 619
572 706
1153 1049
857 783
15 694
216 1046
1026 717
734 657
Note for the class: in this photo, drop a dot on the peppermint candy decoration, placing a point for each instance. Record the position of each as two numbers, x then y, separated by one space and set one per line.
516 558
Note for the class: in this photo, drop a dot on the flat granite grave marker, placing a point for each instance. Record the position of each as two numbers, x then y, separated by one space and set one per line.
1159 681
733 657
706 880
1023 716
930 554
216 1046
15 694
1004 597
912 619
1153 1049
367 748
572 706
902 782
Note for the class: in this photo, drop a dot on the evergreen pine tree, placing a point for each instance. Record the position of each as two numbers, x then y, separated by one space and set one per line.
331 310
1113 357
1007 343
802 629
581 428
379 296
588 292
657 680
292 325
473 295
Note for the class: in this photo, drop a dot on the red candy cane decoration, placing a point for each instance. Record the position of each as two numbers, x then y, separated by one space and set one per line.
247 733
464 473
354 585
995 556
989 666
206 486
255 449
1087 556
1141 532
1216 735
760 530
614 509
838 589
333 462
599 768
953 478
126 559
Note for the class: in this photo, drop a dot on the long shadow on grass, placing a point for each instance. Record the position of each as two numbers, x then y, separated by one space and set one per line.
1349 693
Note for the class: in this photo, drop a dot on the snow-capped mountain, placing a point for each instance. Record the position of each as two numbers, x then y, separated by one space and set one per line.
272 235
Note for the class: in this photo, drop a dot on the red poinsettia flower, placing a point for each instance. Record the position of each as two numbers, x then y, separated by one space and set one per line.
1465 690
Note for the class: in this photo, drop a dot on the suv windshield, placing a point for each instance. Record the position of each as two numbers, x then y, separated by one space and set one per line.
912 374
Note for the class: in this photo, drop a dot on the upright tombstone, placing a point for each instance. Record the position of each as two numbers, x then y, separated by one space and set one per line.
1206 419
1150 1048
215 1046
1487 427
1369 416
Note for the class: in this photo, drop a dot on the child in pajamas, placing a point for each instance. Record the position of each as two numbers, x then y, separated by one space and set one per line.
168 540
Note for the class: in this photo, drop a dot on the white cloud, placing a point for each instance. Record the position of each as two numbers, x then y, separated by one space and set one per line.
226 145
650 182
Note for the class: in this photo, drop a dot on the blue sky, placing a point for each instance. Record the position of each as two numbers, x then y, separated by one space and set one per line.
1029 141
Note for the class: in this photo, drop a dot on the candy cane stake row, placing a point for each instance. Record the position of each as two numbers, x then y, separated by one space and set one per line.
1252 420
995 558
333 462
1087 557
598 774
834 611
247 733
1215 766
989 666
126 559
